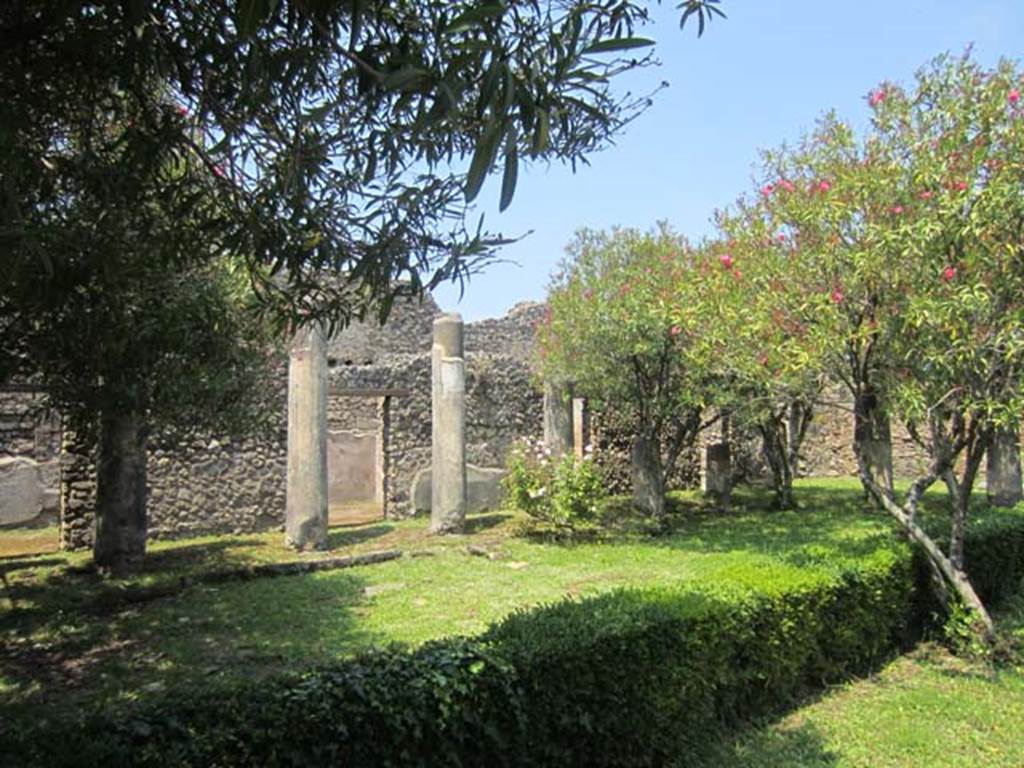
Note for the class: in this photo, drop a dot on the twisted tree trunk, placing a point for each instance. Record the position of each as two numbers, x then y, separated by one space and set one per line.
948 573
872 440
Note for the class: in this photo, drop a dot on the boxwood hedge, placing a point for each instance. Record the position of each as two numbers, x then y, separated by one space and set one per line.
627 678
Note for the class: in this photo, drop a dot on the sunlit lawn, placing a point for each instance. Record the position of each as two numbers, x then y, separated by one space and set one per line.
924 709
69 637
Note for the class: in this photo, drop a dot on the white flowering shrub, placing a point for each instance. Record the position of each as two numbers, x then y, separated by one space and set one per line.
566 492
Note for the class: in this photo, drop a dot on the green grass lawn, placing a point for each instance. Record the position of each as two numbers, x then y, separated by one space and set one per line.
925 709
69 638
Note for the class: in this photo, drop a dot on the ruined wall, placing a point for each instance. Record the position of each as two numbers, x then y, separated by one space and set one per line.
408 331
510 335
29 461
502 401
216 484
828 447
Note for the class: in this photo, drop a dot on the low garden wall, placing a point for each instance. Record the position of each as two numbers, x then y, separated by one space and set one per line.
633 677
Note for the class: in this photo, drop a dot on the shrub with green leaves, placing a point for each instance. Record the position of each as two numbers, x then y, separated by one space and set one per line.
632 677
566 492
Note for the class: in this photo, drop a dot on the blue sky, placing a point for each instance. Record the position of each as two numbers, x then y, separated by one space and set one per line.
755 80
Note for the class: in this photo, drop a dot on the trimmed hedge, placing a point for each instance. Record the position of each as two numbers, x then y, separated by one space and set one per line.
627 678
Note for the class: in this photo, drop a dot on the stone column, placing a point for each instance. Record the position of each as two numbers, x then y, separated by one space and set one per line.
448 427
306 495
1003 477
580 426
716 465
557 418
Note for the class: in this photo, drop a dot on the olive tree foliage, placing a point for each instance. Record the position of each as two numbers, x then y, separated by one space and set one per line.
133 319
338 128
625 325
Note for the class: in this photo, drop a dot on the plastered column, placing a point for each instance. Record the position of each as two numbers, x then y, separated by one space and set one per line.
1003 477
306 495
716 465
448 426
580 427
557 418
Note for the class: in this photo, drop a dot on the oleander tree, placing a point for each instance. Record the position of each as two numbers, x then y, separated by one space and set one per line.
323 152
958 373
913 233
825 211
627 326
770 351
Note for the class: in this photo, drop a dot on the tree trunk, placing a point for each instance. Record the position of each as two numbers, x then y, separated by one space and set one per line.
1003 476
121 493
945 571
648 478
872 440
776 455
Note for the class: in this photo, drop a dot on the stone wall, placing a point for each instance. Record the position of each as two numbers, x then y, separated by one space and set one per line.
215 484
828 447
502 403
407 331
510 335
219 485
29 461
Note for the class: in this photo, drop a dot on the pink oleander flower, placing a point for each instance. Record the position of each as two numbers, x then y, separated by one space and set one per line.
1013 96
949 273
961 185
787 185
926 195
896 210
726 260
837 296
780 238
876 97
767 189
824 186
675 330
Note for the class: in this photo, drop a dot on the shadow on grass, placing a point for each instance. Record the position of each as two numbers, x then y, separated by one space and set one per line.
186 558
54 660
71 637
483 522
349 537
16 564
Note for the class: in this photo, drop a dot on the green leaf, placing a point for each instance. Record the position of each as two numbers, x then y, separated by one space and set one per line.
248 17
483 157
404 77
618 44
540 135
475 16
508 180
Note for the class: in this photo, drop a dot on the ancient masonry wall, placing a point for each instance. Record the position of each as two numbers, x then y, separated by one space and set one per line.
29 461
215 484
